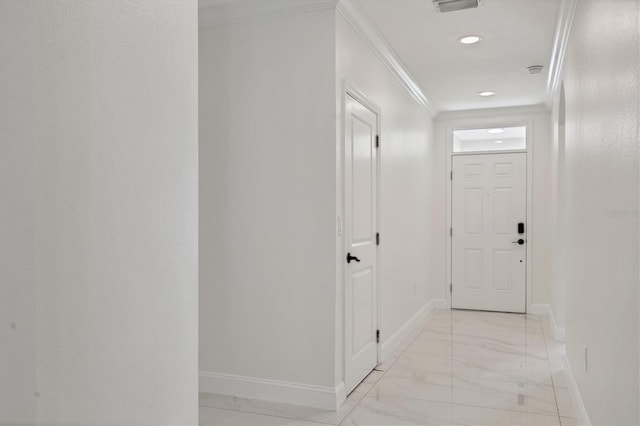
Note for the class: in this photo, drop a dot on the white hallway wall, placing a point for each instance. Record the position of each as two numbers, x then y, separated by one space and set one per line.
602 155
270 114
267 198
98 218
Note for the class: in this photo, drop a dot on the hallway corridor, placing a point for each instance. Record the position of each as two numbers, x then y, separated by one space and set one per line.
461 368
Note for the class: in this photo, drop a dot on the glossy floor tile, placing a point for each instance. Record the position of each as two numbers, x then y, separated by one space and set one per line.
390 410
217 416
461 368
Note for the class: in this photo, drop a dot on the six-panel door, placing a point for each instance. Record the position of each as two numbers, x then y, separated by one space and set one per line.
489 199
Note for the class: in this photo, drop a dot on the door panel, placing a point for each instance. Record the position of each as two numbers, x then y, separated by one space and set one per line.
361 289
474 269
362 196
473 198
363 325
489 199
502 278
502 211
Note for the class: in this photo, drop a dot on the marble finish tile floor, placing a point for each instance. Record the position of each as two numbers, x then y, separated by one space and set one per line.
462 368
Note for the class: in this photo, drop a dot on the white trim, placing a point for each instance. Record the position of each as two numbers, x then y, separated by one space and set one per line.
325 397
574 393
418 320
540 309
560 41
351 90
494 117
559 333
502 151
487 113
214 13
361 22
223 12
544 309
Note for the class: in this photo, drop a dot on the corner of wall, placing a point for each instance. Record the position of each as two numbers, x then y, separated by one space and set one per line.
413 325
546 311
574 393
323 397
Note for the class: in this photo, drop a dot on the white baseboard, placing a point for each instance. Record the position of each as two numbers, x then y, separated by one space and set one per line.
419 319
559 334
574 392
540 309
325 397
544 309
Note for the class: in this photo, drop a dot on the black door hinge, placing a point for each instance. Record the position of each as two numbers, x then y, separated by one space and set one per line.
377 336
377 141
377 238
451 288
451 176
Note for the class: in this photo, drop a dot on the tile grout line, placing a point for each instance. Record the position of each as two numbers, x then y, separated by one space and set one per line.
411 339
266 415
450 358
471 405
341 422
370 389
553 384
384 372
546 350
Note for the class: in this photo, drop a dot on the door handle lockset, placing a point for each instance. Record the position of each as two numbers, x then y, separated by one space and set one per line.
350 258
520 241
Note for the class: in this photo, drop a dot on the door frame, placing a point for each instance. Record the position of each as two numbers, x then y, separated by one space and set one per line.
530 220
349 89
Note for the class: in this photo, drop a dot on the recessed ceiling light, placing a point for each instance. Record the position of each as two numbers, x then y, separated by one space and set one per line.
469 39
497 141
486 94
495 131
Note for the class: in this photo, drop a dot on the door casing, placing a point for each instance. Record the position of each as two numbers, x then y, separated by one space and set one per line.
530 218
350 90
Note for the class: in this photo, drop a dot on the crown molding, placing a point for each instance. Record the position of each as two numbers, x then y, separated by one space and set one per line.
362 23
560 41
213 13
493 112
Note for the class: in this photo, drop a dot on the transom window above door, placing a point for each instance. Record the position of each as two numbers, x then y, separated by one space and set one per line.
490 139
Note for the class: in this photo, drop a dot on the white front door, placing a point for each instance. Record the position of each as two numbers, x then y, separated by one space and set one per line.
489 250
361 255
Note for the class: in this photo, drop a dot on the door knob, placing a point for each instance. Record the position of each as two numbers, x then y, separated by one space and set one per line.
350 258
520 241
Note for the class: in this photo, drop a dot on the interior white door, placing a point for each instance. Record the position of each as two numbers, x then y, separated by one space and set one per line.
489 255
360 192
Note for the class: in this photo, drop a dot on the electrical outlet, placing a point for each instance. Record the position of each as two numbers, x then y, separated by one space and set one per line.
586 363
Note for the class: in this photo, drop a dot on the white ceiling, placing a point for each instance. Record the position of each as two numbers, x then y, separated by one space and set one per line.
515 34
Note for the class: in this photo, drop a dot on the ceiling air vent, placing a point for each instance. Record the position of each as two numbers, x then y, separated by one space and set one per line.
453 5
535 69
